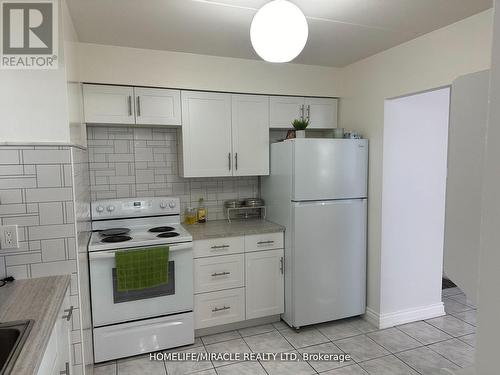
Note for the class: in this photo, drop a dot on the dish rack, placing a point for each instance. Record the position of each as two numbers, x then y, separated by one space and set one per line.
246 212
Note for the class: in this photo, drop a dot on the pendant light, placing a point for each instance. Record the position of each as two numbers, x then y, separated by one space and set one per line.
279 31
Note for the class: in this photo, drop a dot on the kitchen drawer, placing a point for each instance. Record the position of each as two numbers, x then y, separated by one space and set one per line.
217 273
216 308
265 241
218 246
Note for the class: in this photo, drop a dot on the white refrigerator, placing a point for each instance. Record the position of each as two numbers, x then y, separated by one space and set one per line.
317 189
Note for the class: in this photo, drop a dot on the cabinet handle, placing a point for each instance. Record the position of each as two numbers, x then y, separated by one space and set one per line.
229 160
70 313
130 105
308 112
265 242
215 274
138 106
216 309
219 247
302 111
236 160
66 369
282 265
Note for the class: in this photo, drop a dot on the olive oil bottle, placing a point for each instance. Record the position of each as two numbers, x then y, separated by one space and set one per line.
202 212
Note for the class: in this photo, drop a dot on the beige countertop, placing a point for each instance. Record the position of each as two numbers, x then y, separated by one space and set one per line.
222 228
37 299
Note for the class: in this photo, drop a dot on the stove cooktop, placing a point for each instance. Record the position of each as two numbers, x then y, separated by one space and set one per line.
138 236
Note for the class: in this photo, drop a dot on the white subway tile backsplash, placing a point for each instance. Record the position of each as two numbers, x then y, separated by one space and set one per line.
11 209
11 170
51 231
11 196
48 176
53 250
9 156
17 183
49 194
53 268
51 213
2 267
18 272
43 156
19 259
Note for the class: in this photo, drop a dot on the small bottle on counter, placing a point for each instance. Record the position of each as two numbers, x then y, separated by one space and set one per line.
202 212
191 216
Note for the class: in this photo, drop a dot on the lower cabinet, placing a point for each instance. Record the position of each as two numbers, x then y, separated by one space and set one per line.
246 284
57 357
264 283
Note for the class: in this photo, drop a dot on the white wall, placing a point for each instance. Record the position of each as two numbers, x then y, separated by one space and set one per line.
413 203
132 66
466 146
489 279
433 60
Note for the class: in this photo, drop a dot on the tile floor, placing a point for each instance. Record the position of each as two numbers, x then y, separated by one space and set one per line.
417 348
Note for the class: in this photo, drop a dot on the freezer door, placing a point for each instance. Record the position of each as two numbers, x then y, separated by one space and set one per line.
329 260
330 169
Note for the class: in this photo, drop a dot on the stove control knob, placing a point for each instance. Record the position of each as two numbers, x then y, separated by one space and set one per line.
163 205
110 208
171 204
99 208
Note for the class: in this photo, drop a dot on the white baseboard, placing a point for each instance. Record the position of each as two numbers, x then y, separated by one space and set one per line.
404 316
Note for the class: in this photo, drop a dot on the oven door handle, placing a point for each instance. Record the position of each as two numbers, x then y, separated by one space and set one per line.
108 254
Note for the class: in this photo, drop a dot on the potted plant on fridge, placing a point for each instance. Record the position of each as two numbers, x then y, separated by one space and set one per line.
300 126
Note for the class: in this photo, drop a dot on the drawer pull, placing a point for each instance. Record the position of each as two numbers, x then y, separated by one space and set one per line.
66 369
217 309
219 247
265 242
215 274
70 313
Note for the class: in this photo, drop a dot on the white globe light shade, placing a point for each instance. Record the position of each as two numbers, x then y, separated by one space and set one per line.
279 31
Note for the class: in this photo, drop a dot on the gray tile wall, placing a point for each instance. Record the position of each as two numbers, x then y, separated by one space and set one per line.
136 162
36 193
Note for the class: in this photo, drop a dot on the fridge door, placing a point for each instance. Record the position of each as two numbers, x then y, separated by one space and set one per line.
329 169
329 261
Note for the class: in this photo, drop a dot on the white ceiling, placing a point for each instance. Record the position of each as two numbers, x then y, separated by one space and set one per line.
340 31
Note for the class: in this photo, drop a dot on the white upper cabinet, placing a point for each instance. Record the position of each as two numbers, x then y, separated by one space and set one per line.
321 112
284 109
128 105
108 104
224 134
250 133
206 134
157 106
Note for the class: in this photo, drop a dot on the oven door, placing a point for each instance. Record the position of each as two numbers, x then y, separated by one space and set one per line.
110 306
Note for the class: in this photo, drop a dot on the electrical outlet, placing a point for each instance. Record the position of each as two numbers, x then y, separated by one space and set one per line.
9 237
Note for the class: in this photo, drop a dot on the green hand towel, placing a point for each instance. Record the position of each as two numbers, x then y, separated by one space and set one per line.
141 268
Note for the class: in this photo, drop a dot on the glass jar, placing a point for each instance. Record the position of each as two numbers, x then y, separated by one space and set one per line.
190 217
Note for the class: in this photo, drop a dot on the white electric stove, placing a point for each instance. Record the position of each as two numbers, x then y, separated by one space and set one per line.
137 322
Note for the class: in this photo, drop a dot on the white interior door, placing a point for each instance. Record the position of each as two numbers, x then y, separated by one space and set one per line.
157 106
206 134
108 104
264 283
329 260
250 133
283 110
330 169
321 112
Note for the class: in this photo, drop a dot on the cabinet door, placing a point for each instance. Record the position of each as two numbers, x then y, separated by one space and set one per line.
264 283
108 104
206 134
250 130
322 113
283 110
157 106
